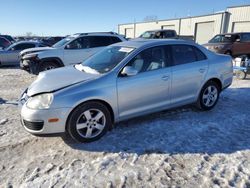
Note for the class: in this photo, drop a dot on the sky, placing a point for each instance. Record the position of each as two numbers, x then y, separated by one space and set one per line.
63 17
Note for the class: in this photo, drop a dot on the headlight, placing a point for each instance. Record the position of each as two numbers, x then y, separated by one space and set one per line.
42 101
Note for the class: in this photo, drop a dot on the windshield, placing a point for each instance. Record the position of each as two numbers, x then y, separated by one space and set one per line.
148 34
62 42
106 60
223 38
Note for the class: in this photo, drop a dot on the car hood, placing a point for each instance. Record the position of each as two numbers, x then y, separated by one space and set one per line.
33 50
59 78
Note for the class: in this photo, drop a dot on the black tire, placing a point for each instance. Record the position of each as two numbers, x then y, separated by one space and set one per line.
78 117
203 103
241 75
48 66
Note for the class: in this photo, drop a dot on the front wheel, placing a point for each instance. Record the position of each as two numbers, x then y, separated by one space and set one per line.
47 66
89 122
209 96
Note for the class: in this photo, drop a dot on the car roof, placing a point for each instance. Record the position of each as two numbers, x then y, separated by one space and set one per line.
237 33
27 42
137 43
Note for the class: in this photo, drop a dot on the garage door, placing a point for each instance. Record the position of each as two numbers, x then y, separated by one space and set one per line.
204 32
129 33
241 27
168 27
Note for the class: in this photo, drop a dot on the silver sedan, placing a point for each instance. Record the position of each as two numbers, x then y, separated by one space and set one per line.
10 55
123 81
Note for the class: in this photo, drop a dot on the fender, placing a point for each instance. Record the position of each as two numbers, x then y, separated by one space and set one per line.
57 59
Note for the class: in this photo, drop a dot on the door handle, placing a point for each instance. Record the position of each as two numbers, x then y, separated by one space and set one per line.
165 78
202 70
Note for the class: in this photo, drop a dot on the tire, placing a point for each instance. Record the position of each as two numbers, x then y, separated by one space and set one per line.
209 96
84 126
241 75
48 66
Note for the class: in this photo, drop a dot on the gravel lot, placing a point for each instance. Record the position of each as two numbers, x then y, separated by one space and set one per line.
176 148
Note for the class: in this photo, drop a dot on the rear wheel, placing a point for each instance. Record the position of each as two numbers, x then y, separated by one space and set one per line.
209 96
89 122
241 75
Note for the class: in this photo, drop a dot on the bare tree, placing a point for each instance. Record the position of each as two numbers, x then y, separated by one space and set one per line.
150 18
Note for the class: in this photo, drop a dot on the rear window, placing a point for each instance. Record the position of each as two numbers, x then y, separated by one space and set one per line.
98 41
223 38
183 54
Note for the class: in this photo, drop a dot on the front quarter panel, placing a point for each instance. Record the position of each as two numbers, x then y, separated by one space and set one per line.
103 88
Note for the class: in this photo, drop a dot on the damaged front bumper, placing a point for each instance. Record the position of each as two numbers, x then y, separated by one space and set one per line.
30 65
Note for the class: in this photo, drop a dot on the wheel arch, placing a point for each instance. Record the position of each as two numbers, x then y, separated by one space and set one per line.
56 60
110 109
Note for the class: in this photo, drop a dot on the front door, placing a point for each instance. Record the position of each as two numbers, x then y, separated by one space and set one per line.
147 91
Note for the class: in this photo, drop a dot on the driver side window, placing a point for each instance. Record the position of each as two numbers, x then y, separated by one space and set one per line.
149 59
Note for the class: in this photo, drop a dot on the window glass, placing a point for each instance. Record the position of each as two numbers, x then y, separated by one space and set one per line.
245 37
98 41
148 60
115 40
105 60
79 43
183 54
169 34
24 46
199 54
223 38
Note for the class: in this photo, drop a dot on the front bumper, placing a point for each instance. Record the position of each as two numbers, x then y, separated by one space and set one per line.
31 66
37 121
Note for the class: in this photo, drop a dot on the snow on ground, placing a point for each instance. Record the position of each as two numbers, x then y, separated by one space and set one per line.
175 148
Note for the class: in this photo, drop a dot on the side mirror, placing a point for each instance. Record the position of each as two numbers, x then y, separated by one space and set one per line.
129 71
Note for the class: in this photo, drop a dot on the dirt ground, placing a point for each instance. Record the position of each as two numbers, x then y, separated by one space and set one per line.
175 148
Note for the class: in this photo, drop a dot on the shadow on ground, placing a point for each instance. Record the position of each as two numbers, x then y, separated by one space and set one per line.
225 129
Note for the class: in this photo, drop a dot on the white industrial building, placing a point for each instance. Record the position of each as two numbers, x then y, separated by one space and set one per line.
203 28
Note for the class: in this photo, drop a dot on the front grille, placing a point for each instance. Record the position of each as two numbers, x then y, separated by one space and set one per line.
36 126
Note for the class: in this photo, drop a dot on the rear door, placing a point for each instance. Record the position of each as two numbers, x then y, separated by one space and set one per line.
189 69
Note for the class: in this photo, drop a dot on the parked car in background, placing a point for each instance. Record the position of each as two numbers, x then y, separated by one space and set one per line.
234 44
10 55
9 38
50 41
122 81
70 50
164 34
4 43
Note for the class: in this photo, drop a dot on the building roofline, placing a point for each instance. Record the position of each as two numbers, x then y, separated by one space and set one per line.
238 6
174 18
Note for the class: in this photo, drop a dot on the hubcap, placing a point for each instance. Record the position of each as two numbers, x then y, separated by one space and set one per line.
91 123
210 96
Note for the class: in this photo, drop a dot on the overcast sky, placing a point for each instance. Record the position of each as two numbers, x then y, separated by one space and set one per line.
62 17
